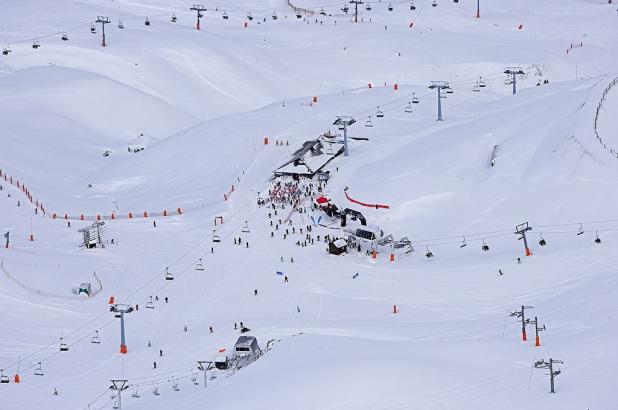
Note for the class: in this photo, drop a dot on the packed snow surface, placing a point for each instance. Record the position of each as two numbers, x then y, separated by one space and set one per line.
163 130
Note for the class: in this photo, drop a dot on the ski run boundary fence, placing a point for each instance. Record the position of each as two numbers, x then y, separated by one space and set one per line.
596 117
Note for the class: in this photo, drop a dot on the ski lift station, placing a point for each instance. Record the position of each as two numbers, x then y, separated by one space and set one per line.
93 234
311 158
246 346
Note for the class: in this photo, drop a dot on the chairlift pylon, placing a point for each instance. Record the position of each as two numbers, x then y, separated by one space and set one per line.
95 339
199 265
379 114
38 370
368 123
150 304
168 274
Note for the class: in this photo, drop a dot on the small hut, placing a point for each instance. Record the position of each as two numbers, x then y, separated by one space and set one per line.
337 247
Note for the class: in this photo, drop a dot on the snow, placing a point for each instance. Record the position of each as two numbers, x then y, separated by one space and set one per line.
201 104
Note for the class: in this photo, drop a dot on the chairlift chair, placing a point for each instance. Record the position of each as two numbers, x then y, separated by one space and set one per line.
434 3
345 8
225 16
476 88
507 81
175 385
215 237
449 90
409 108
120 24
390 6
95 339
597 240
249 16
542 240
38 370
274 16
174 19
168 274
194 378
146 22
428 254
322 12
368 7
3 378
93 28
135 392
245 227
298 15
368 123
63 346
485 247
150 304
117 314
379 114
482 83
199 265
36 44
155 389
412 6
580 231
463 243
6 51
65 36
415 99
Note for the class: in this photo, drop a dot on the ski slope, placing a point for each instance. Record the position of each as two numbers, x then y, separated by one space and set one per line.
200 104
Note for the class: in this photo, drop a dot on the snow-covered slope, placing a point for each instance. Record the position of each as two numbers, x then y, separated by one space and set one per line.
200 104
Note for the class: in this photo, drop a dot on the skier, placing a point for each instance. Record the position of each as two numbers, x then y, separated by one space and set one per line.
500 272
154 365
211 331
186 328
298 308
166 299
149 344
255 292
285 279
519 260
154 224
161 352
235 326
55 392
